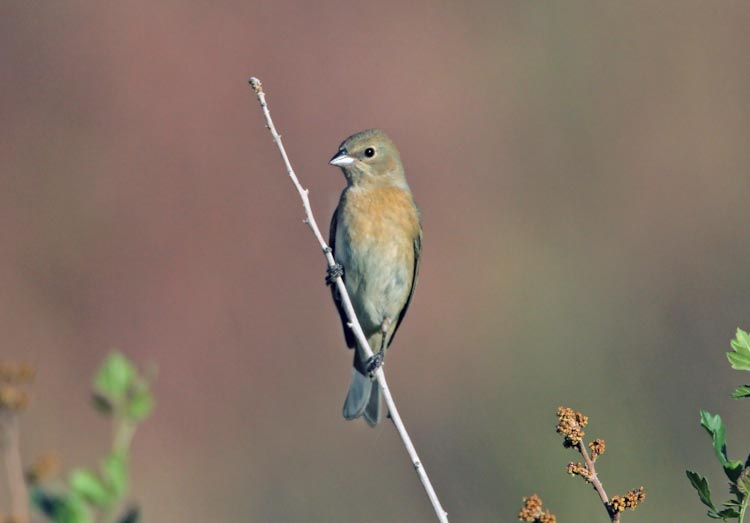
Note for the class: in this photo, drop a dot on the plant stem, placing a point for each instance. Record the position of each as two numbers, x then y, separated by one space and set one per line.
123 431
743 509
596 483
442 516
11 454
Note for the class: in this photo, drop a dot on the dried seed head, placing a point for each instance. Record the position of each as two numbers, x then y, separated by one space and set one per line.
616 504
12 398
43 469
532 508
11 372
546 517
597 448
532 511
579 469
634 497
570 424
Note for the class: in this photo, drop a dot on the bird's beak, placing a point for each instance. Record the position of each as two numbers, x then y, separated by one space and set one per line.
341 159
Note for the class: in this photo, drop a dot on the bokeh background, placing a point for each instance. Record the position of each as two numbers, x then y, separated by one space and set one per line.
582 169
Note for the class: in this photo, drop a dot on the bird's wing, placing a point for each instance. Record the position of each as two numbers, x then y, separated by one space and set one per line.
348 334
417 253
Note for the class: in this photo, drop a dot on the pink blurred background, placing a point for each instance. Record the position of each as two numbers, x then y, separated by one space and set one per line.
582 173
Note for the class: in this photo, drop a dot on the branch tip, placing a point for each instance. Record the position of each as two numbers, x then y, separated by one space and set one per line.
256 85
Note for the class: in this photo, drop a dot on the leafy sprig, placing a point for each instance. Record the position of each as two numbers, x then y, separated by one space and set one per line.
737 472
123 394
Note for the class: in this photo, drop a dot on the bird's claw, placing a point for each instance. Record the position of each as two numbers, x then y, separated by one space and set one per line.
374 363
333 272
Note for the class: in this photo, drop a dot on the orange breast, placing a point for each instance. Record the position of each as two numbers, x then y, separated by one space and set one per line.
381 216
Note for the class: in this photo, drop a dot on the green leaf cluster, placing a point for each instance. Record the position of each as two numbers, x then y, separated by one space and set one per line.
124 394
737 472
120 389
739 358
104 488
61 508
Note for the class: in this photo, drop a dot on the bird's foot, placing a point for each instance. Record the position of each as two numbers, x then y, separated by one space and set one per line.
374 363
334 272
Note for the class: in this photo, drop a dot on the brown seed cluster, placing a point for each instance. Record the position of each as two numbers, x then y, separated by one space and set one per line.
617 503
579 469
597 448
630 500
532 511
635 497
16 372
571 424
12 377
13 398
43 469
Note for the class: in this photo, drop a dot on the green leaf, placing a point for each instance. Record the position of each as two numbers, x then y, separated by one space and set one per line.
140 405
131 515
728 513
715 427
733 469
713 424
740 358
76 511
115 377
732 503
61 508
742 391
115 472
700 484
89 487
101 403
47 503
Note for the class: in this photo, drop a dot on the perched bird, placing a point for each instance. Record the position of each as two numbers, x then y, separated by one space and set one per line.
376 238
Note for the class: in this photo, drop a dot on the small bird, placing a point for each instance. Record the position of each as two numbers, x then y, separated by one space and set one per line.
376 238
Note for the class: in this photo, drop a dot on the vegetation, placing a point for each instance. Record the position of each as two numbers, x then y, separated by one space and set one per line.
88 495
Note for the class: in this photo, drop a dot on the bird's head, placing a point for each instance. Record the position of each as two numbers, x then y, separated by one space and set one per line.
370 158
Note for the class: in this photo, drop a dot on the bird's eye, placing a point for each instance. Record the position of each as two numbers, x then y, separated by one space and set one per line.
369 152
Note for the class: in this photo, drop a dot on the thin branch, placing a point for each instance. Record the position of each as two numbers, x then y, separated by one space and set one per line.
442 516
11 456
596 483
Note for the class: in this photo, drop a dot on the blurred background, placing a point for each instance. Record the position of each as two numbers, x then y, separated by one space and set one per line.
582 173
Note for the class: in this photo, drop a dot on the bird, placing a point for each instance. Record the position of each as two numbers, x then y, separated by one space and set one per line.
376 240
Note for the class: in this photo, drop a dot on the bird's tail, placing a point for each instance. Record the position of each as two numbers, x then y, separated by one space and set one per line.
363 397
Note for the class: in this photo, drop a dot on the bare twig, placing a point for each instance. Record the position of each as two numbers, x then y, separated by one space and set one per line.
442 516
11 456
